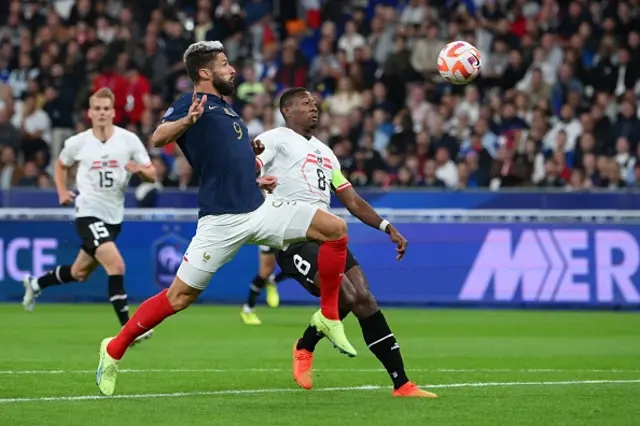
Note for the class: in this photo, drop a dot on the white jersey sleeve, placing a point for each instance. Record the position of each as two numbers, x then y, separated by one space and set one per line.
139 152
271 146
69 154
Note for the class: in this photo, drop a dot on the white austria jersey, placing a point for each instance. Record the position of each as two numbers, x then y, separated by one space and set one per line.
307 170
102 178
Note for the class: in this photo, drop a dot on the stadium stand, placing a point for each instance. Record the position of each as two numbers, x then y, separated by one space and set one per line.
555 107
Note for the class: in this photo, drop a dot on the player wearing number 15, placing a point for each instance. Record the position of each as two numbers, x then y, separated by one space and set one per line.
106 156
232 209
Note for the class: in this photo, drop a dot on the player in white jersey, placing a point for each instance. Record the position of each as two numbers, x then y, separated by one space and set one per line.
307 170
106 156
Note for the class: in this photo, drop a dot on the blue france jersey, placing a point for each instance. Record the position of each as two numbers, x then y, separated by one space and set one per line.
219 150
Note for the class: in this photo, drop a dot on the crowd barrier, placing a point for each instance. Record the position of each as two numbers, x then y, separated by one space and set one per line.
563 259
397 199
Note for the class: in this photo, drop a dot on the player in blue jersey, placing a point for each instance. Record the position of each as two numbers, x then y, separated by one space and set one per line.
232 209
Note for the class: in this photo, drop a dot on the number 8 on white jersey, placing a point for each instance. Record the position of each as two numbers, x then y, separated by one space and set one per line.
307 170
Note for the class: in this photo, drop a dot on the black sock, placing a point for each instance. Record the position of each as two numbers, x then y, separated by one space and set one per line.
118 298
254 290
280 276
382 342
57 276
310 337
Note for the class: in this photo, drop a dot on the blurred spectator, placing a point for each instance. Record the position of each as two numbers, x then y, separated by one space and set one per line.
345 99
445 168
552 176
10 171
430 179
29 176
254 125
34 125
250 86
576 181
556 105
350 40
9 134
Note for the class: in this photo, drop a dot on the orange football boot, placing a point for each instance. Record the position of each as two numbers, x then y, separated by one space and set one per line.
302 366
411 390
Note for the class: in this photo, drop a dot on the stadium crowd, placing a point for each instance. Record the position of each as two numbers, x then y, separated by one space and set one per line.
555 106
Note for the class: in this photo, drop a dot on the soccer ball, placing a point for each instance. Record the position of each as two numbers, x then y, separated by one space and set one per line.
459 62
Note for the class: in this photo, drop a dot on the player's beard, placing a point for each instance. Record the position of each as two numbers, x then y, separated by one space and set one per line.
226 88
314 123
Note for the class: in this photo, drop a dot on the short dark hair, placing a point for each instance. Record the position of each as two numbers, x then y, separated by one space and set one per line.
288 96
199 55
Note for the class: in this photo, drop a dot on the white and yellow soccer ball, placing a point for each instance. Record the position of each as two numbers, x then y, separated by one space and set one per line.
459 62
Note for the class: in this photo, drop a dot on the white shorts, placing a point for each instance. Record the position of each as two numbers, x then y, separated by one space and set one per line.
275 224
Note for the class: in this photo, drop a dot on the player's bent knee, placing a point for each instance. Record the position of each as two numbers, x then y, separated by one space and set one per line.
365 307
327 227
362 303
340 229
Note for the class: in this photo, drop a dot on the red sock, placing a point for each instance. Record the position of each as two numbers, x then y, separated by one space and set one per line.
332 259
150 313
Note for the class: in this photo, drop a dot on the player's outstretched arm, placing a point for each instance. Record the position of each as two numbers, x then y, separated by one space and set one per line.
366 214
171 130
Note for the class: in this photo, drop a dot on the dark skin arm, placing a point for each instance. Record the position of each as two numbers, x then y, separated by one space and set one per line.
367 215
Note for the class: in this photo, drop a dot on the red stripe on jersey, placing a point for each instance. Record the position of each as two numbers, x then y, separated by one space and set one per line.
259 163
327 160
311 159
343 186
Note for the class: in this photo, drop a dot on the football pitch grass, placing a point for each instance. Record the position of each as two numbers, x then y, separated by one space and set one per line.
204 366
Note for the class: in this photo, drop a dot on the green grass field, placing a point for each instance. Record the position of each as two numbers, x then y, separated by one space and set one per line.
205 367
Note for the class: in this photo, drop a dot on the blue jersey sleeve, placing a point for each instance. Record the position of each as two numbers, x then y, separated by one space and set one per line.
178 110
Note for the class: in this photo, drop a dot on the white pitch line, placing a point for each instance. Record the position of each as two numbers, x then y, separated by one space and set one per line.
326 370
291 390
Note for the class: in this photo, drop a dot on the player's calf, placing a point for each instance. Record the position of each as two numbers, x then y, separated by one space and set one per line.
110 258
61 274
180 295
79 273
376 332
255 288
248 314
118 297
